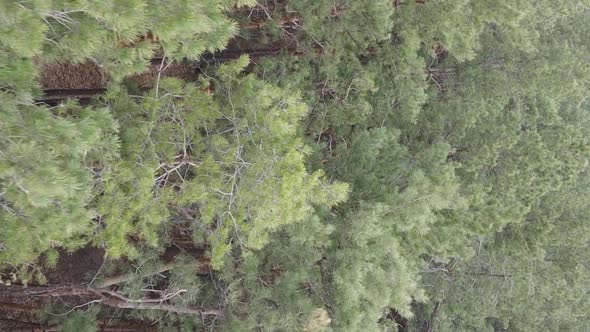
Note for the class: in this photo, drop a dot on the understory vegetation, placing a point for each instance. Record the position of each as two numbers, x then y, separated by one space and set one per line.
346 165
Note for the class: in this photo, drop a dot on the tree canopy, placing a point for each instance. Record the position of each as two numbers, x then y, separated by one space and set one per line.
331 166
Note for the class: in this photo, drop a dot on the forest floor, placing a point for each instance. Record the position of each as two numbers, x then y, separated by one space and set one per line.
80 269
20 313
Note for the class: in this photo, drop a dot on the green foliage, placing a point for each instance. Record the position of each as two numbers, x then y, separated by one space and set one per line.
281 287
520 149
121 36
233 156
79 322
417 160
46 180
443 143
458 26
540 265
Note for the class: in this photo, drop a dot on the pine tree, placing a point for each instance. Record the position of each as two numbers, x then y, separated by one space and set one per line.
457 131
469 159
54 160
121 36
231 161
529 167
48 163
536 267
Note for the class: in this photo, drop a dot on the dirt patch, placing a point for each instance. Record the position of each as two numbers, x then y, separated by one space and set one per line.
76 268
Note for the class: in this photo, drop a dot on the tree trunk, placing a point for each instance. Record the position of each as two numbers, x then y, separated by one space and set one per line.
107 297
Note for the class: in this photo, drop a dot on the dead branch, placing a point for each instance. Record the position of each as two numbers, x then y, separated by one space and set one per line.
289 21
117 303
121 278
113 299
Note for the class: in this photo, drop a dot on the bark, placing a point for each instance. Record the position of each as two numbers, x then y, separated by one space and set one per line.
8 306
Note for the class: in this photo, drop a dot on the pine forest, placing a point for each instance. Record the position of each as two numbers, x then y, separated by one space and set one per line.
295 165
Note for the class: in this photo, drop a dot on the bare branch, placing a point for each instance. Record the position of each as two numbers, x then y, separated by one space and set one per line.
115 299
118 279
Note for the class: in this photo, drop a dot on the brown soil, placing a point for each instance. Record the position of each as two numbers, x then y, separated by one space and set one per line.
76 268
